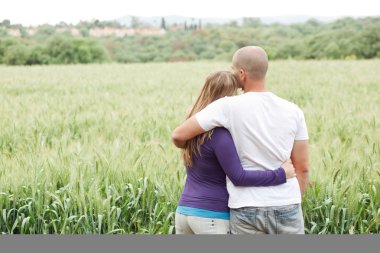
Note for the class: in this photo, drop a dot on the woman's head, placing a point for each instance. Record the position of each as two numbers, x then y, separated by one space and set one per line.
217 85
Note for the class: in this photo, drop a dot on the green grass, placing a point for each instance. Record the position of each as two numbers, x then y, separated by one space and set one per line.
87 149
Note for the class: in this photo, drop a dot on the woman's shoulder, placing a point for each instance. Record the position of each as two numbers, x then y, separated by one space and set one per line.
220 132
221 139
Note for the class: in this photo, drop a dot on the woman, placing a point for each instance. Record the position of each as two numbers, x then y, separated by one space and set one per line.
209 158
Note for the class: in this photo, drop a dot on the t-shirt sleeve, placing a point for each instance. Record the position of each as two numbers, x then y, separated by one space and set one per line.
301 133
226 154
214 115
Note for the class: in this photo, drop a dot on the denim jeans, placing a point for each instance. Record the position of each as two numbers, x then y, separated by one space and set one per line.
267 220
187 224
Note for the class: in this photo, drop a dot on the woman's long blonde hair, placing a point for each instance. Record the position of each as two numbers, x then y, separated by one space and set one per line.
217 85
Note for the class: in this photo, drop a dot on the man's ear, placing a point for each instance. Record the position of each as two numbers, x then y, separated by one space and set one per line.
242 74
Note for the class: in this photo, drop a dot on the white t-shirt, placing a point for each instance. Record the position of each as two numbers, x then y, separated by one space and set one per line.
264 128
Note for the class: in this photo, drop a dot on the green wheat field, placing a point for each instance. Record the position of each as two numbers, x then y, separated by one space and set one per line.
86 149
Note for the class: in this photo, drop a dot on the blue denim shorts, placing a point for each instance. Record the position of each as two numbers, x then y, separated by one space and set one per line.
267 220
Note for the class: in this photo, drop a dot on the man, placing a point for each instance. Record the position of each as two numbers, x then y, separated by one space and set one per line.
266 130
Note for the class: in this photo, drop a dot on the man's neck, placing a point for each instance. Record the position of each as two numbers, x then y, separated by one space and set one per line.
255 86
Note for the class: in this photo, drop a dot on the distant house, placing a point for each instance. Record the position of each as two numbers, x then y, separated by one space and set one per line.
151 31
121 32
14 32
110 31
31 31
75 32
60 30
98 31
177 27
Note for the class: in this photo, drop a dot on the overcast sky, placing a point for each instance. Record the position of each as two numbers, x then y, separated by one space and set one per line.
32 12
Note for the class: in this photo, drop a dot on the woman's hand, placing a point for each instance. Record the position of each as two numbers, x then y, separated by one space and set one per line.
289 169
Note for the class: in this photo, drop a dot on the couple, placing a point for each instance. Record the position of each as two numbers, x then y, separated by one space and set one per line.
246 138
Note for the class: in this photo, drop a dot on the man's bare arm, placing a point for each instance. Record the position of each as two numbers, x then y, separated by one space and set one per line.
187 130
300 159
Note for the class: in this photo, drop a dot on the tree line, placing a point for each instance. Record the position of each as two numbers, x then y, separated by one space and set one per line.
346 38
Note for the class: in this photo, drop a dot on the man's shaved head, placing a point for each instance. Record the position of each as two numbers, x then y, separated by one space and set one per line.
252 59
